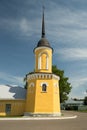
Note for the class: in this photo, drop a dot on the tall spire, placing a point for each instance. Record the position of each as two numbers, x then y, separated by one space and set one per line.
43 25
43 42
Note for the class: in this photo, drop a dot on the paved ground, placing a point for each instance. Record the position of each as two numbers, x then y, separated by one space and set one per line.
79 123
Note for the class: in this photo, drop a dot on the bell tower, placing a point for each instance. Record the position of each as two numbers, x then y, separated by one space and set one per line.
42 85
43 53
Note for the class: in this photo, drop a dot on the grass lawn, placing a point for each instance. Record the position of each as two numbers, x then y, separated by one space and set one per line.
82 111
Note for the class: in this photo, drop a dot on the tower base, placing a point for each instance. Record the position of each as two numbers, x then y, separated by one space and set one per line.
42 114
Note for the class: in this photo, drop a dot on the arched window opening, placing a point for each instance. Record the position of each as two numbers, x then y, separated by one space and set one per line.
44 88
43 61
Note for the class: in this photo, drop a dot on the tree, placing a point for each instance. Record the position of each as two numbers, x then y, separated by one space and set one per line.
85 101
64 86
25 80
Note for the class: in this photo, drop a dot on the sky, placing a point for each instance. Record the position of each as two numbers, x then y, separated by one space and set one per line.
66 31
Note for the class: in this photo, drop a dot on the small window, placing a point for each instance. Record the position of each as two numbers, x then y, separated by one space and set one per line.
44 88
8 108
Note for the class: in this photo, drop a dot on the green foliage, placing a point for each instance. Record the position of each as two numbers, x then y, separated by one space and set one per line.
25 80
85 101
25 86
64 85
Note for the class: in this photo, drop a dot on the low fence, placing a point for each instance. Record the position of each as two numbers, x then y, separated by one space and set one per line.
82 107
73 107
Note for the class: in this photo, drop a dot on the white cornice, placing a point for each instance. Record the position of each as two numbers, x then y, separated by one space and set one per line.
42 76
38 48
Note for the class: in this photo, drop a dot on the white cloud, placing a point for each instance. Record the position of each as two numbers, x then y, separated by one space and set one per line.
85 93
21 27
78 81
28 27
79 88
24 25
68 26
72 53
11 78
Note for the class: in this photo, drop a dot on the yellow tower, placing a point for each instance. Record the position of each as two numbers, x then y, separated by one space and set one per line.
42 85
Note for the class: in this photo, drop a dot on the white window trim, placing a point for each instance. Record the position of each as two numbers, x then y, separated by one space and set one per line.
39 60
44 83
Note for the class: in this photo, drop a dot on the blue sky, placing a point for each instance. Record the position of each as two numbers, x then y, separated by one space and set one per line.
66 30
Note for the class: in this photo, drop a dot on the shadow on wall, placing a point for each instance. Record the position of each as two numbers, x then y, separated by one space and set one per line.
19 92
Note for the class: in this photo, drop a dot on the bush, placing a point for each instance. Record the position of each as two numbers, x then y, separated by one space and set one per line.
71 108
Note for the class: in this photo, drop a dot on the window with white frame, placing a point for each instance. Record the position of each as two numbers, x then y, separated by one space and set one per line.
43 61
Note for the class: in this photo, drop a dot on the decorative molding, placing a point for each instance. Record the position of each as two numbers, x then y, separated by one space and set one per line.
31 84
38 48
42 76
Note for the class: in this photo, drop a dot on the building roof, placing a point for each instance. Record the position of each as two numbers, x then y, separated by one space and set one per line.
71 101
43 42
12 92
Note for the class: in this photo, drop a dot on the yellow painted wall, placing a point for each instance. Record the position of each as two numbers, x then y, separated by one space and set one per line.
42 52
30 98
56 96
43 102
17 107
38 101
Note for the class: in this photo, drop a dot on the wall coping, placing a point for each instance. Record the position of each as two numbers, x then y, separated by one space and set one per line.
42 76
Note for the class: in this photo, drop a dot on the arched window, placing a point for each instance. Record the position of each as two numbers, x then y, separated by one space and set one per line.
44 88
43 61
